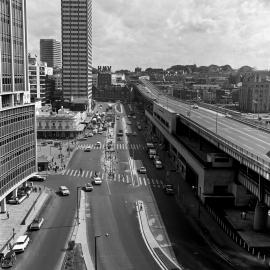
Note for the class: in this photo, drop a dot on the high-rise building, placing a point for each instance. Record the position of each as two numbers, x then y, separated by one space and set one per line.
77 50
50 52
17 115
37 75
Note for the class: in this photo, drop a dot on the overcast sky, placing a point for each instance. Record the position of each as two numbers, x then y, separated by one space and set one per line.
162 33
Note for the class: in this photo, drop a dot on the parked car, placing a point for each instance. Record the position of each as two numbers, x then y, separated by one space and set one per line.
169 189
17 200
37 178
36 224
134 133
21 243
158 164
88 187
9 259
64 191
90 134
97 180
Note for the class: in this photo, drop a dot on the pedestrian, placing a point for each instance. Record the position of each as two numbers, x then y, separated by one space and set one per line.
7 215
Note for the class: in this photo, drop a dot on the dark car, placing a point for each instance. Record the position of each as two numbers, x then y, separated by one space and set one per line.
8 260
37 178
169 189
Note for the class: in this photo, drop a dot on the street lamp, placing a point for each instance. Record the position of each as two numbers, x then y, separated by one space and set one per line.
78 204
96 237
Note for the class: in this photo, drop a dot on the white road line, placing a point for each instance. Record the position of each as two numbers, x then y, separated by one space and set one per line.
83 173
86 173
157 182
127 179
102 175
67 172
140 181
153 182
90 175
148 181
71 172
118 177
144 180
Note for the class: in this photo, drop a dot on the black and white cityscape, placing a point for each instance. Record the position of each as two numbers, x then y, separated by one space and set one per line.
134 135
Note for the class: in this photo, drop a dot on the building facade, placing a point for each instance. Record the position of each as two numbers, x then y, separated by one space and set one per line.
254 95
17 115
50 52
77 50
37 72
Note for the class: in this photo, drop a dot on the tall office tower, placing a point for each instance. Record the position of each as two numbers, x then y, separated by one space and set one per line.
17 115
77 51
50 52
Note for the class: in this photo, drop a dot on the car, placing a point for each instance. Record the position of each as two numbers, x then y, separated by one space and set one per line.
169 189
38 178
90 135
139 127
100 132
142 170
43 143
88 187
98 144
94 131
49 142
134 116
64 191
117 118
158 164
83 139
9 259
17 200
97 180
36 224
21 243
195 106
129 116
134 133
87 149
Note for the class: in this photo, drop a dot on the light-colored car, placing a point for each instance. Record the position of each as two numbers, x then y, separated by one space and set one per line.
195 106
88 187
64 191
158 164
37 178
90 135
97 180
21 243
36 224
94 131
142 170
87 149
98 144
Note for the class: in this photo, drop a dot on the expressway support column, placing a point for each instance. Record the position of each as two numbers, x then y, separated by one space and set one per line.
15 192
261 210
3 206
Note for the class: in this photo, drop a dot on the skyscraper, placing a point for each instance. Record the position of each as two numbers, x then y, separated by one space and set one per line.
50 52
17 115
77 50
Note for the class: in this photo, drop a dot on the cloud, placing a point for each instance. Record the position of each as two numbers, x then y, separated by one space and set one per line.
163 33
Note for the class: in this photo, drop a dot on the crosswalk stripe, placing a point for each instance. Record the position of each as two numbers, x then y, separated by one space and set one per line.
148 181
71 172
86 173
67 172
144 180
83 173
152 180
139 180
90 175
127 179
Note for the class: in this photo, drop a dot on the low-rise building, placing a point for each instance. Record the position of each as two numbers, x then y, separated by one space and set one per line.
62 125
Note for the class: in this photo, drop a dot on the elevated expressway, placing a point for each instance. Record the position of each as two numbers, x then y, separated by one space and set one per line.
246 144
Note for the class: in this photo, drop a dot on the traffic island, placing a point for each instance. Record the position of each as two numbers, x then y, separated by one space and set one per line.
74 257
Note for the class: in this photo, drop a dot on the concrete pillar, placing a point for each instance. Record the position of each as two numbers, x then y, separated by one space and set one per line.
3 206
15 192
260 217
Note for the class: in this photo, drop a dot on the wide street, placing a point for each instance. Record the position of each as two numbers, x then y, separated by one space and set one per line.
110 210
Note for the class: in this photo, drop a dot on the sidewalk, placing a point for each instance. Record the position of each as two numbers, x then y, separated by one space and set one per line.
57 157
11 228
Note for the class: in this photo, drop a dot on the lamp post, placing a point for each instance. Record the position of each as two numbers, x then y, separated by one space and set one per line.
216 122
96 237
78 204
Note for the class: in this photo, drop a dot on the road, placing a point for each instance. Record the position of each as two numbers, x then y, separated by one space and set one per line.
255 141
110 210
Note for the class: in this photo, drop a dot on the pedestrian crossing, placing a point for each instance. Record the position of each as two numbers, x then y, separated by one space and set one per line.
136 180
117 146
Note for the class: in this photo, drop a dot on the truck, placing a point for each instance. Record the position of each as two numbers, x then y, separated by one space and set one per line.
139 166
